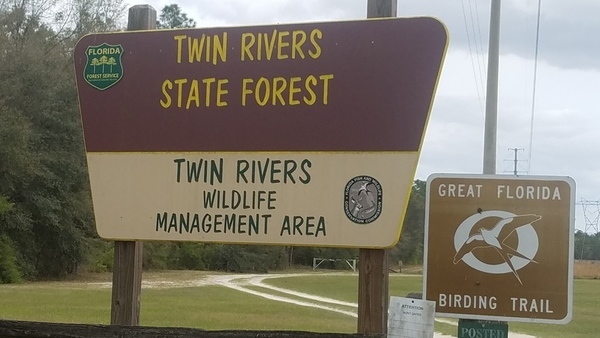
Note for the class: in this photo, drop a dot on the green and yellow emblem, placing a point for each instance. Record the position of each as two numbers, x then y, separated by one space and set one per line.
104 68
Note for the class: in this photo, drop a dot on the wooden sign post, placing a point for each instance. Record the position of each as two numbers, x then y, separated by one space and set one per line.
373 274
127 269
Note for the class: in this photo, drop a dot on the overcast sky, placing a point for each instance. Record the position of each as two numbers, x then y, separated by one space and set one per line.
566 117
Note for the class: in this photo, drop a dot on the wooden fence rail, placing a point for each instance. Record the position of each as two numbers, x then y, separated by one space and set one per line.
10 328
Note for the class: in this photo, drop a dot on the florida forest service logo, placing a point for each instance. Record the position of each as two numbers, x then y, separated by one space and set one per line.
103 68
363 199
470 236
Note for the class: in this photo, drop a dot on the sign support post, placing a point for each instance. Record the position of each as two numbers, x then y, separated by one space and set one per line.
127 271
491 107
373 291
373 274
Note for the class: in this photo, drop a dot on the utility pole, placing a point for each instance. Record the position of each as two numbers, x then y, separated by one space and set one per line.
516 160
491 109
491 102
591 215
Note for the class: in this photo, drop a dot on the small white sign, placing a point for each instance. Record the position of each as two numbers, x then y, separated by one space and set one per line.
411 318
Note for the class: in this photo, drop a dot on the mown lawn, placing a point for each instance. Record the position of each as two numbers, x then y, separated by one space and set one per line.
220 308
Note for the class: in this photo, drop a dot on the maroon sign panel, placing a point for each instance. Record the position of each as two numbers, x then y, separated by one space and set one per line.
345 86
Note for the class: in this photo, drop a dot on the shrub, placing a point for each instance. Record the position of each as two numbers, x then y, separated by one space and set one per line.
9 271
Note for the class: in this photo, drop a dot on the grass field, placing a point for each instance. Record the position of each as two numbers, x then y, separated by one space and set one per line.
586 307
216 307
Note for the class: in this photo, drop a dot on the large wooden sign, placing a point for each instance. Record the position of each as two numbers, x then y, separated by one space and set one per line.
303 134
500 247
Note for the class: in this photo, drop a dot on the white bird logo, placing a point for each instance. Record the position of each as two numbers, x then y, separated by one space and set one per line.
495 238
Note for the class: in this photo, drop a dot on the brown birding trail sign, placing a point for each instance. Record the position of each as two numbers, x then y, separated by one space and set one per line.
500 247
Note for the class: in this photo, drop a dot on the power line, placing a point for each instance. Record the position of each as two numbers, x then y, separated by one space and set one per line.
535 66
478 80
515 161
478 43
591 215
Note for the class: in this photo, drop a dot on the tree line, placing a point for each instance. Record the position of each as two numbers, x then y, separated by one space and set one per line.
47 226
587 246
46 220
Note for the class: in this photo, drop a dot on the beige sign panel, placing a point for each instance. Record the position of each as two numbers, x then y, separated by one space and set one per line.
500 247
277 198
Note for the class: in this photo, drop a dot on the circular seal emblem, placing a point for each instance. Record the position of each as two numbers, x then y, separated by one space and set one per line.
363 199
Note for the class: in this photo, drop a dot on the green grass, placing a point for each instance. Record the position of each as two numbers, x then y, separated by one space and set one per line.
220 308
51 304
586 311
345 286
207 307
